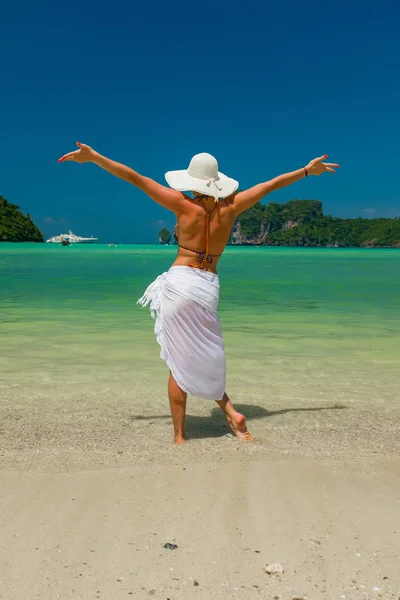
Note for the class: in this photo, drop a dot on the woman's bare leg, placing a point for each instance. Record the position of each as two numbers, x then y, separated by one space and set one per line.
236 420
177 402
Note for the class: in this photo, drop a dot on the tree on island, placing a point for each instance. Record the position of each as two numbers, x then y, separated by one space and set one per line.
164 237
15 226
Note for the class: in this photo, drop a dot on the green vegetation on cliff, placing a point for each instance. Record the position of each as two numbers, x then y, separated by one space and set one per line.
164 237
303 223
15 226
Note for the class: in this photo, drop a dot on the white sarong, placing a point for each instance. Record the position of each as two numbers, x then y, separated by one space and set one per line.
184 303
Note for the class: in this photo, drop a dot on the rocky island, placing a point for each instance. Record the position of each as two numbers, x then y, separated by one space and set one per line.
15 226
303 223
164 237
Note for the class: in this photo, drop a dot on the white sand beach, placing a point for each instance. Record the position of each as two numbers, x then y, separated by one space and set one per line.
92 489
101 534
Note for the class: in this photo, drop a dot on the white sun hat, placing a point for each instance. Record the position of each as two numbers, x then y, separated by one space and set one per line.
202 176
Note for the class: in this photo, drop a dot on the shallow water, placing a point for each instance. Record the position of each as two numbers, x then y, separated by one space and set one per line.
291 317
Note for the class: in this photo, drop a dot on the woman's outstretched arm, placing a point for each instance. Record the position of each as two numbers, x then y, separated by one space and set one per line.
247 198
171 199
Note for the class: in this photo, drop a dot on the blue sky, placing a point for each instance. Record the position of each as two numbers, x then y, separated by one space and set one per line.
263 86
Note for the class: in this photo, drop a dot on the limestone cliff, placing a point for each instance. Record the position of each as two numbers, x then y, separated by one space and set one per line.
303 223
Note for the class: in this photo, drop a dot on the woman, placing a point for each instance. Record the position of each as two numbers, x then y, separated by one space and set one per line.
184 300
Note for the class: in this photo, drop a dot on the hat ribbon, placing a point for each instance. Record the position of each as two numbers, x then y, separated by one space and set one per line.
211 183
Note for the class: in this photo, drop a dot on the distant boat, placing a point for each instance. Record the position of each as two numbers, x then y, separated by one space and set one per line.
335 245
71 238
64 242
111 245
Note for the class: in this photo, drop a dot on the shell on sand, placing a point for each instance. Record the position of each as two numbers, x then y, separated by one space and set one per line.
275 569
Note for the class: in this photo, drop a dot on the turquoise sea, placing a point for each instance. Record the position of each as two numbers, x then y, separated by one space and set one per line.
299 324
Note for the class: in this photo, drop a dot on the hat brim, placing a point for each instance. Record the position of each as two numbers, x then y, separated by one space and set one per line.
183 182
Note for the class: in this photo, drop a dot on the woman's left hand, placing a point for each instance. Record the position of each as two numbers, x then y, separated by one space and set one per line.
317 167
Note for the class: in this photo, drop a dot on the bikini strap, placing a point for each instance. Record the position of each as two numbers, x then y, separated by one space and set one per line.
205 254
201 254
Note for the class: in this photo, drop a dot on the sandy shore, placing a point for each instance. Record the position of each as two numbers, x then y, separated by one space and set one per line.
100 534
92 489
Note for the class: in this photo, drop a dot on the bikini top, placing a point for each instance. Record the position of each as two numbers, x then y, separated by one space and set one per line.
203 256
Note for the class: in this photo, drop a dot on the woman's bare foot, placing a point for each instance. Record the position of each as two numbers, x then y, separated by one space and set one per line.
239 428
179 440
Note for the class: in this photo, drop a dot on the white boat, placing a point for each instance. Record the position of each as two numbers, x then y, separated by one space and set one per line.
71 238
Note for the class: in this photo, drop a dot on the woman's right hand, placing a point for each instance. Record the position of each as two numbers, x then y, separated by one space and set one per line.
83 155
317 167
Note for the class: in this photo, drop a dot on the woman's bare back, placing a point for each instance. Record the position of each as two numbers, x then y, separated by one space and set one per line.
191 230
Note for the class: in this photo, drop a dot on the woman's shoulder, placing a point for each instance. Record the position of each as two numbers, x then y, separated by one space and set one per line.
192 205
